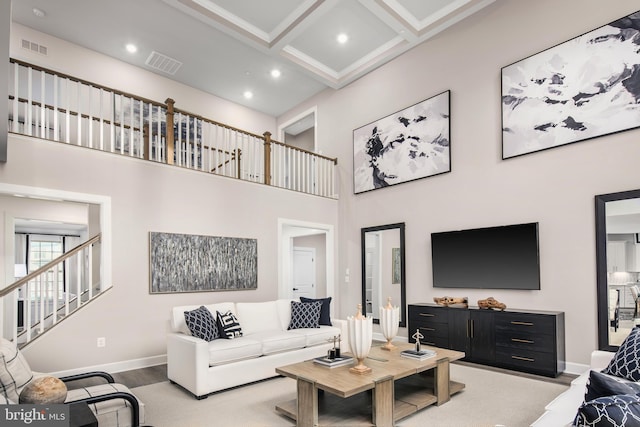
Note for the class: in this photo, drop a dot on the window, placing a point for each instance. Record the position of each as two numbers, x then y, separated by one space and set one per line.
43 249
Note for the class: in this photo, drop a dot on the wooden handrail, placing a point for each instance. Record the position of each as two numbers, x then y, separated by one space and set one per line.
158 104
302 150
85 82
47 266
74 113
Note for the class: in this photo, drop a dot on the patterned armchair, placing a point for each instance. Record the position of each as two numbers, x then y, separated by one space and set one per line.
112 403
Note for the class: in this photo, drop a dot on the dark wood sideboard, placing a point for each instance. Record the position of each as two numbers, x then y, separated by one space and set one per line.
527 341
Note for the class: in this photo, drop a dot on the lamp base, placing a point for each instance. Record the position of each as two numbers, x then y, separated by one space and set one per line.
388 346
360 368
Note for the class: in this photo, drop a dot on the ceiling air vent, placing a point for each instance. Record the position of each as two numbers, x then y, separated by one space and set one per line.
163 63
34 47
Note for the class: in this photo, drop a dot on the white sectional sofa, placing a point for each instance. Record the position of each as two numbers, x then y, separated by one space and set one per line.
563 409
204 367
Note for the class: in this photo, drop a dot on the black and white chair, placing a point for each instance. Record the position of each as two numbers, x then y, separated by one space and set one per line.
113 404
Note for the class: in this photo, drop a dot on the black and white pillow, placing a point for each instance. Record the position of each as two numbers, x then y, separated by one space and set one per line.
622 410
201 323
305 315
601 385
229 325
626 361
325 313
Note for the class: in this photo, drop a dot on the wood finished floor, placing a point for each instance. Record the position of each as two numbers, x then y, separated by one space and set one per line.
156 374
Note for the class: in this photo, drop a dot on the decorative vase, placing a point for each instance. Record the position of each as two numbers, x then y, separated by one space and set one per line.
360 337
389 322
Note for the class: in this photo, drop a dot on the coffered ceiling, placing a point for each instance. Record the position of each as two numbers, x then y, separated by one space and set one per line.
229 47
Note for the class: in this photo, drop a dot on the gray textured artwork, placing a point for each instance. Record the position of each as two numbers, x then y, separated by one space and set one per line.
191 263
584 88
410 144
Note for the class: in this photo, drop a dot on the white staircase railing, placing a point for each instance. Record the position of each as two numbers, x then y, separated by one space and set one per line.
40 300
62 108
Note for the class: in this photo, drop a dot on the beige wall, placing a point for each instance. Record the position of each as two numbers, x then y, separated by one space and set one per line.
554 187
147 196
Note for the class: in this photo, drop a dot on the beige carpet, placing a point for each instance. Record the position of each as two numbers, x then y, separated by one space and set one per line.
489 399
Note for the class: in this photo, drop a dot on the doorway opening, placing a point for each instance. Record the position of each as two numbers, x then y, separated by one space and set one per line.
292 235
300 132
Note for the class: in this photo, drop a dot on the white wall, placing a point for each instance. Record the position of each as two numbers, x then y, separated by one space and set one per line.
146 196
555 187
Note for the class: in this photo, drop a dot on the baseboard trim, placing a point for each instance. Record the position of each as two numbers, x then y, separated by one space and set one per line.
115 367
575 368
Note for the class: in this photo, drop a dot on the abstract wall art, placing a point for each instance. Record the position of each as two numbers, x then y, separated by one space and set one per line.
581 89
192 263
410 144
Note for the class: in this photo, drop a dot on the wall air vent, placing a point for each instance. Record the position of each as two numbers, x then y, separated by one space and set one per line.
34 47
163 63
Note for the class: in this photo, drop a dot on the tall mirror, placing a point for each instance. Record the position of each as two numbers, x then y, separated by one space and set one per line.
383 270
618 266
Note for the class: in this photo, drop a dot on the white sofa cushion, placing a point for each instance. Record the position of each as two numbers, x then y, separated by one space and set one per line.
177 322
279 341
284 312
255 317
316 336
223 351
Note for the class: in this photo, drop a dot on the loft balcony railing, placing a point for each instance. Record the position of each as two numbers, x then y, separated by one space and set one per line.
58 107
40 300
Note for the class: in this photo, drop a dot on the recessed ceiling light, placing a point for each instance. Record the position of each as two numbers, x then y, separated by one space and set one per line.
248 94
131 48
342 38
39 12
275 73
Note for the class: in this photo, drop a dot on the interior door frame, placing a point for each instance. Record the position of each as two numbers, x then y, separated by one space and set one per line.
284 256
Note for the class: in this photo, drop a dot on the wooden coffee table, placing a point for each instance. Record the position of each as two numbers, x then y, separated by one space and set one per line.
400 386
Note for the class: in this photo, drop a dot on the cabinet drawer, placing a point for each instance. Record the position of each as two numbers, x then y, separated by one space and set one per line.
526 322
431 329
430 314
525 340
533 361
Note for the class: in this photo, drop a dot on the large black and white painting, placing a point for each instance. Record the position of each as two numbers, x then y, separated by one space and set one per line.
410 144
584 88
191 263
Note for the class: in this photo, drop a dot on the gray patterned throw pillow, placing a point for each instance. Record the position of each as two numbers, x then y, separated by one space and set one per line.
622 410
626 361
201 323
305 315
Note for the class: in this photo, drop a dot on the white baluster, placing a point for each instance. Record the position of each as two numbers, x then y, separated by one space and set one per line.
56 124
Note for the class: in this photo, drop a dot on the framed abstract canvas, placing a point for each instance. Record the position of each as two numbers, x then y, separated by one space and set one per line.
407 145
581 89
194 263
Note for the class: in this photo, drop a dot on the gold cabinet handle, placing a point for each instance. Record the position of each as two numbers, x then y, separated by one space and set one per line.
427 314
521 340
513 322
526 359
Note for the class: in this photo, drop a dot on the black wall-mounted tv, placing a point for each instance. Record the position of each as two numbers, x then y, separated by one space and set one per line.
505 257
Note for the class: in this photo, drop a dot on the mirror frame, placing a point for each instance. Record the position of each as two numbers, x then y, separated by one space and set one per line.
403 280
601 264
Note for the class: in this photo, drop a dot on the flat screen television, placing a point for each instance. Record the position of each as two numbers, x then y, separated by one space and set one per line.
504 257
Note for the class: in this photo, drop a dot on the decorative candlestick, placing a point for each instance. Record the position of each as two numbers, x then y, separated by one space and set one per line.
360 337
389 321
